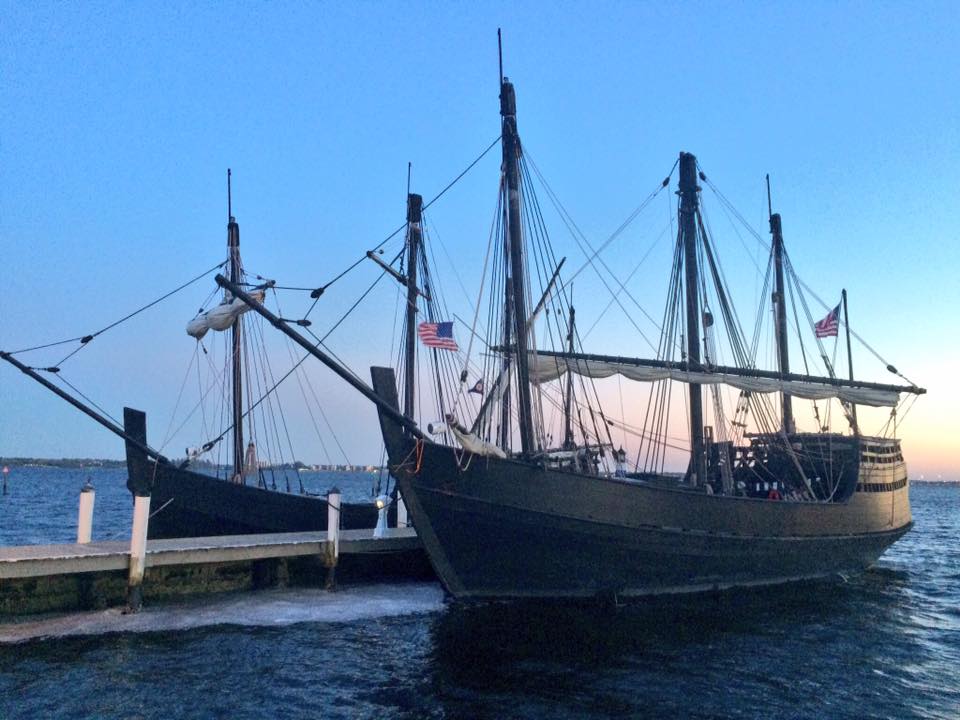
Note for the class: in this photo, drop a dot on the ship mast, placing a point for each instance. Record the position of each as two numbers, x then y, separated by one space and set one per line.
233 247
568 400
846 322
511 166
414 236
780 310
689 204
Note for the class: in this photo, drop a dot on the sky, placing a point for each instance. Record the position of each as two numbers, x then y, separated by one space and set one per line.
118 121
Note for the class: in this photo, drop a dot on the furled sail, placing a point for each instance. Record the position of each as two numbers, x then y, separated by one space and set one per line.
468 440
220 317
545 367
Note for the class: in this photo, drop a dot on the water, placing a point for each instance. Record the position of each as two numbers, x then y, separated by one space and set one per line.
885 644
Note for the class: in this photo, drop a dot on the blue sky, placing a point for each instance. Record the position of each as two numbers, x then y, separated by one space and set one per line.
118 120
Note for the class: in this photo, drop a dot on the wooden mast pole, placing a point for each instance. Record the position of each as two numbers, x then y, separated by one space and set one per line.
414 236
568 400
846 322
780 310
689 203
233 245
511 163
505 436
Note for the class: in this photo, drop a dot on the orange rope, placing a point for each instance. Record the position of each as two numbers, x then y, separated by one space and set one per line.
419 451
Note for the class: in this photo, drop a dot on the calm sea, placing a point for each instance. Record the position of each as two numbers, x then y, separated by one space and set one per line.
885 644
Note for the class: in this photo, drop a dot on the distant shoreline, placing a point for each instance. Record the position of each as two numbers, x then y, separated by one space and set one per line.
88 463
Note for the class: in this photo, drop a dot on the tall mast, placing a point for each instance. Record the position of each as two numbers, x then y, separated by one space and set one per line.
233 247
568 400
414 236
508 297
780 309
511 165
846 322
507 335
689 204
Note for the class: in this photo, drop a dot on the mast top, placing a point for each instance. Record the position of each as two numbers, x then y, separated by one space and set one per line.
508 99
688 173
414 208
500 53
775 226
233 229
769 201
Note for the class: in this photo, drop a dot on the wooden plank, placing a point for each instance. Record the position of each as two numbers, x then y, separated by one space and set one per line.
46 560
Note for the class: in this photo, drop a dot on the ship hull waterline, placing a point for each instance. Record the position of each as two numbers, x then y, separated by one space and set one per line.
191 504
499 528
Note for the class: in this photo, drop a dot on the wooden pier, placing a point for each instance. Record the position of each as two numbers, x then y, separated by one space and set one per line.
45 578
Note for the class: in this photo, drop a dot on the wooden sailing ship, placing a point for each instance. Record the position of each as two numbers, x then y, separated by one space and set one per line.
194 504
568 518
241 496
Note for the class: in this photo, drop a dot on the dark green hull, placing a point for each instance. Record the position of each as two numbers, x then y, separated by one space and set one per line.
503 528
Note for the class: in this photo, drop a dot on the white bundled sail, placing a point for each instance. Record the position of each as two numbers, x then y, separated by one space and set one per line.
469 441
220 317
544 368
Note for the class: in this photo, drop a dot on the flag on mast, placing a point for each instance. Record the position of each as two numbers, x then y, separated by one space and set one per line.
830 325
437 335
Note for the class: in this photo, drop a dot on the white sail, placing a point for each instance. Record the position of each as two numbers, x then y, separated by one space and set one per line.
220 317
469 441
544 368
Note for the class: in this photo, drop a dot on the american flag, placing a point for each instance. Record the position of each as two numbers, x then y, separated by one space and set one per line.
437 335
829 326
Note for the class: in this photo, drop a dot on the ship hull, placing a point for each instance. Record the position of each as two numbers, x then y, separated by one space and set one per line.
486 545
501 528
189 504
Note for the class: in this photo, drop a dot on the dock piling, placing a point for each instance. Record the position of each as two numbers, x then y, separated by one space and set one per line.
333 534
383 504
138 552
85 517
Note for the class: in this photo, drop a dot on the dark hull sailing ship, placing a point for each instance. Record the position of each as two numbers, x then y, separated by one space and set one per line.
185 503
770 506
513 528
192 504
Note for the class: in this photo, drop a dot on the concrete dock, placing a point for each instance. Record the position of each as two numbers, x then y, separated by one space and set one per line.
46 578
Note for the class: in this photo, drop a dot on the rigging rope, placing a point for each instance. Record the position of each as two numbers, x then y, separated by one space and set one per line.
890 367
85 339
317 292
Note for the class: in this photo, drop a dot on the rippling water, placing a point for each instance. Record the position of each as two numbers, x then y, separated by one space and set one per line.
885 644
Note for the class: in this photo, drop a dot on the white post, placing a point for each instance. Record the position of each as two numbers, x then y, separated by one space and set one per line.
402 521
383 504
333 535
333 520
138 551
85 518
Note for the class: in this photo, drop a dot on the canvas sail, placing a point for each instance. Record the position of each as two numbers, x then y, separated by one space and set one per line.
220 317
544 368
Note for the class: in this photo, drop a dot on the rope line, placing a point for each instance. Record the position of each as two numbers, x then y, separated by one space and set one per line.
85 339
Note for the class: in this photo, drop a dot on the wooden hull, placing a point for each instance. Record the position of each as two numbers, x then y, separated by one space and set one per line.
189 504
498 528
